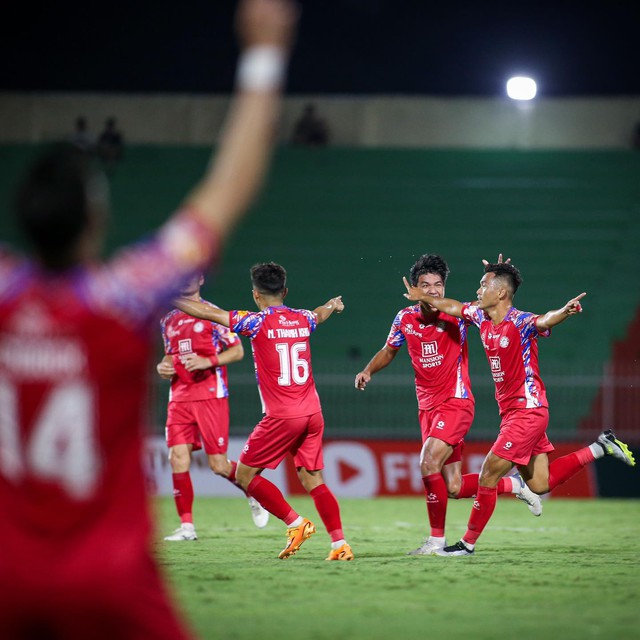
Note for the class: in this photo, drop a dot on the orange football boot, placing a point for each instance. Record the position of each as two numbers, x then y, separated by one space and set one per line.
296 536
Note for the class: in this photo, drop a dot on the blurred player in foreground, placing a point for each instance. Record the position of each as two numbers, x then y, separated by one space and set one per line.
293 421
510 339
75 349
437 346
198 413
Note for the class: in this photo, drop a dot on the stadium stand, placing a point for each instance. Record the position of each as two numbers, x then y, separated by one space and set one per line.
352 221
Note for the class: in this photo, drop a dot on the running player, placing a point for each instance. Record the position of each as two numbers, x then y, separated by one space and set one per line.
510 339
198 413
293 421
437 346
75 347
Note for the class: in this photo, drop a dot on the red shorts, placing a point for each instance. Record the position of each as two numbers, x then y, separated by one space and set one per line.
273 438
450 422
201 422
523 434
127 605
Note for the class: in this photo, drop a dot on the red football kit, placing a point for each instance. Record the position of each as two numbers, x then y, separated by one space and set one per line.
439 356
198 408
74 364
282 357
512 351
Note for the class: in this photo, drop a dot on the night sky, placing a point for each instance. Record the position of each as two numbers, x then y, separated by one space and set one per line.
344 46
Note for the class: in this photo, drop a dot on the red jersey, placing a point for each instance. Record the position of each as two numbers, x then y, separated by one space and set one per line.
74 368
183 334
512 350
438 352
282 358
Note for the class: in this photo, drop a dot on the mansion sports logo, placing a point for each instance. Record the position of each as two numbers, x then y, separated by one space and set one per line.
184 346
495 364
429 349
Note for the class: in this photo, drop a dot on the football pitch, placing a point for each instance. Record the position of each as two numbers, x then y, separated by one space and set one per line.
572 573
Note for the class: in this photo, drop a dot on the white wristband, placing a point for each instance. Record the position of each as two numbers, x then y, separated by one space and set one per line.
261 68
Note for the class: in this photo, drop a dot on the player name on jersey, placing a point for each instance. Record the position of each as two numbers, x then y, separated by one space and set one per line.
42 357
275 334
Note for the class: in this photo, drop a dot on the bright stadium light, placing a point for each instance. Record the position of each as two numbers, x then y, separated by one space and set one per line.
521 88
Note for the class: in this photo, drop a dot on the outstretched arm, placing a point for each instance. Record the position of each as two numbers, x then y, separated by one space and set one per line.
265 29
323 312
203 311
446 305
553 318
382 359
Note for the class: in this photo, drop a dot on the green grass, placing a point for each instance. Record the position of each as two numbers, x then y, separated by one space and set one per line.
573 573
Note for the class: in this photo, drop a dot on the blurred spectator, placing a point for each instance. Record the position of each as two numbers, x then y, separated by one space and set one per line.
110 144
311 130
81 138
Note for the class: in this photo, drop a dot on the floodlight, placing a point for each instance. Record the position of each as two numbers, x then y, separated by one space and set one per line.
521 88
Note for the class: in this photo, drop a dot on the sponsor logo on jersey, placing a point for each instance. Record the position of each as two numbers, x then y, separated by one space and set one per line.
496 369
429 348
285 322
31 318
409 330
184 346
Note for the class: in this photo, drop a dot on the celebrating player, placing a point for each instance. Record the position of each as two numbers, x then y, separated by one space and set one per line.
293 421
74 355
510 339
437 346
198 413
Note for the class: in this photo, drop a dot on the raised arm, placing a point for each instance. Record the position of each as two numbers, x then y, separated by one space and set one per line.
265 29
553 318
203 311
382 359
446 305
323 312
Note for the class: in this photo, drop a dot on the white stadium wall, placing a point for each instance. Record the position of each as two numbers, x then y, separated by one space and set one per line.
375 121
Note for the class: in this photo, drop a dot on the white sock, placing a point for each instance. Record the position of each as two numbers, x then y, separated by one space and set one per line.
515 484
597 449
188 525
337 543
440 541
296 523
469 546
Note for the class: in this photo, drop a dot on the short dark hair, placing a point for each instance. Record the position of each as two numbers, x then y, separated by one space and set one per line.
269 278
51 204
428 263
508 272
